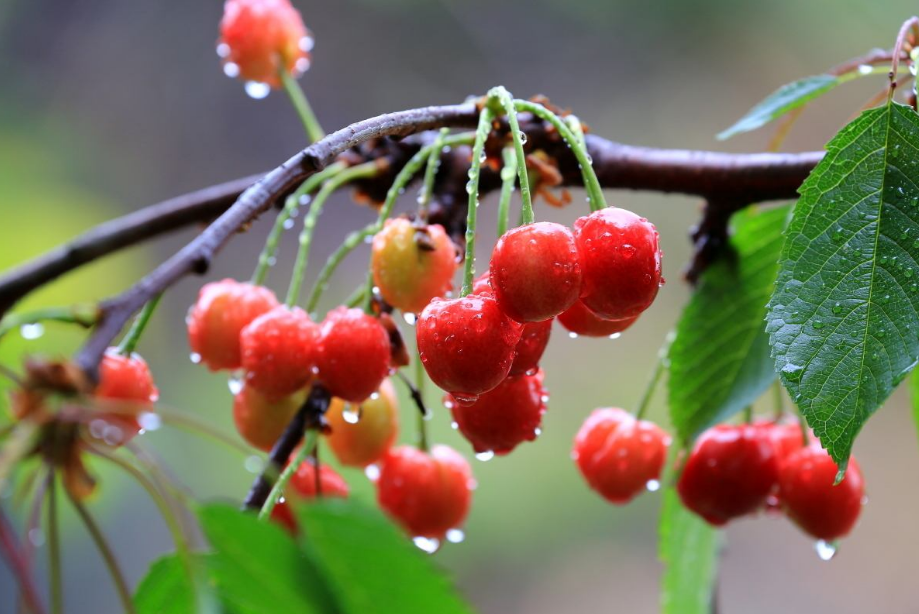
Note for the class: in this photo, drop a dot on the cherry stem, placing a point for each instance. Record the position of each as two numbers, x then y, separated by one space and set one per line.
403 178
660 366
19 564
506 101
124 593
302 106
748 414
508 178
416 392
130 340
54 550
591 183
83 314
291 205
351 242
361 171
574 123
478 152
778 402
430 173
910 26
310 439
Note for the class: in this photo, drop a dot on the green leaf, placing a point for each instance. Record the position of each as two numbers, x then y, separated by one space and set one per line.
258 569
371 566
719 360
689 551
843 320
165 589
787 98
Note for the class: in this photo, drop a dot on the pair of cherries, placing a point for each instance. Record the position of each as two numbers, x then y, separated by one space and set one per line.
737 470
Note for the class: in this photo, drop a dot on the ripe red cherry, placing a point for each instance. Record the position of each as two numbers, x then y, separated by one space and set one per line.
125 384
535 271
504 416
620 261
261 420
811 501
583 322
467 345
303 482
260 37
354 354
360 443
279 350
215 321
412 264
730 472
787 439
618 455
534 336
428 494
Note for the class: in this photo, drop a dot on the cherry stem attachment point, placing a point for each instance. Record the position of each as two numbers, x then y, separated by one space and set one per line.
506 101
660 365
302 106
130 340
472 187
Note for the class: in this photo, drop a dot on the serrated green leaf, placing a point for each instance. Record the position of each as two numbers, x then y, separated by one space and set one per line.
719 360
371 566
689 551
843 319
257 568
787 98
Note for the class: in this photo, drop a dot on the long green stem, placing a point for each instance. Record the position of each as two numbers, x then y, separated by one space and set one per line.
368 169
420 377
508 177
107 555
266 258
398 186
660 366
133 335
574 122
54 550
304 111
357 297
478 150
591 183
309 442
430 173
507 102
82 314
351 242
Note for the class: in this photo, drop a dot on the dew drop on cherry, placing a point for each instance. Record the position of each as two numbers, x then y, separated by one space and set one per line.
455 536
426 544
485 456
825 550
372 472
256 89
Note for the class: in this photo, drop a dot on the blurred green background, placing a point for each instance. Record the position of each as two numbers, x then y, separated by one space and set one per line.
107 106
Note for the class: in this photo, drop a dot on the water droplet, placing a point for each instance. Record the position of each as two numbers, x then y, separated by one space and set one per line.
149 421
792 372
454 425
350 415
426 544
523 137
231 69
223 50
302 65
864 69
195 357
837 308
32 331
615 335
485 456
257 90
306 43
825 550
254 464
410 318
455 536
818 325
372 472
235 384
573 335
470 186
37 537
653 485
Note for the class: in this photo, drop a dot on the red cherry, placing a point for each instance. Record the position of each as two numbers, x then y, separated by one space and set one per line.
504 416
618 455
482 285
412 264
215 321
303 482
428 494
354 354
258 37
279 351
534 337
583 322
282 516
361 443
787 439
261 420
535 271
125 384
467 344
620 261
730 472
809 498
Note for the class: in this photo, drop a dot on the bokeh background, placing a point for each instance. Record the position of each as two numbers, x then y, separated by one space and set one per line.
106 106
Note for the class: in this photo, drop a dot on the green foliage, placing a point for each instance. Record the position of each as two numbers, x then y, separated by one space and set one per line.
787 98
689 551
370 565
719 360
350 560
844 318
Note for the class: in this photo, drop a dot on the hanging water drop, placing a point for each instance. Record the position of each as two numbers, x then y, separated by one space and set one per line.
235 384
223 50
426 544
372 472
653 485
410 318
350 415
195 357
231 69
455 536
254 464
485 456
149 421
825 550
257 89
